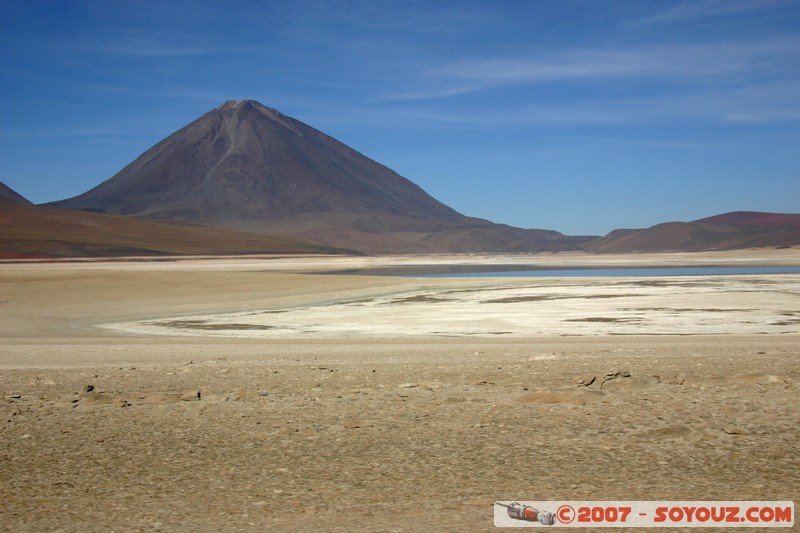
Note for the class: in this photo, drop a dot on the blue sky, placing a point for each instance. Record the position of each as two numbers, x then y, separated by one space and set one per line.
578 116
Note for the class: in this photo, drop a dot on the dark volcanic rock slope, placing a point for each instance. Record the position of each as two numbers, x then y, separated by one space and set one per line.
9 195
248 167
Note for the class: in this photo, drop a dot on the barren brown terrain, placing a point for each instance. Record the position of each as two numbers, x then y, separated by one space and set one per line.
35 231
149 395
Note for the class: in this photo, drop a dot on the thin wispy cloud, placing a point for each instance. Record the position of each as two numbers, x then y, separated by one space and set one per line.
748 104
138 46
692 64
154 50
709 9
148 44
63 132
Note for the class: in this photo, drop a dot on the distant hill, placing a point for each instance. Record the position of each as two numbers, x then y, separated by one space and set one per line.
753 219
244 166
28 231
740 229
7 194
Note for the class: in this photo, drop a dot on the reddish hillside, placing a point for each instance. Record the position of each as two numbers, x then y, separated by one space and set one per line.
753 219
39 231
721 232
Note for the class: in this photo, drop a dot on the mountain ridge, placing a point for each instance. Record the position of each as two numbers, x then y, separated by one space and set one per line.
726 231
29 231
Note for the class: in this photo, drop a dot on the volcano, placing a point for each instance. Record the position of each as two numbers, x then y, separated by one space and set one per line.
247 167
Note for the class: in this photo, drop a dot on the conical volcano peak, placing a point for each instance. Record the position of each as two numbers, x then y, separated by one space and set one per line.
235 104
246 166
239 105
249 110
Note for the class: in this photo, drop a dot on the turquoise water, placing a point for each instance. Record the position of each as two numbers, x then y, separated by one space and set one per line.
618 272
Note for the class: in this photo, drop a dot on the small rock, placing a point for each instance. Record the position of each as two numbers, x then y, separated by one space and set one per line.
190 396
407 385
734 430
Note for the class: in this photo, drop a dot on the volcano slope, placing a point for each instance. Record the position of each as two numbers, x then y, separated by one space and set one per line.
245 166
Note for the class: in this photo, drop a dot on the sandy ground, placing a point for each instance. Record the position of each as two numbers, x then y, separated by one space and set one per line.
247 395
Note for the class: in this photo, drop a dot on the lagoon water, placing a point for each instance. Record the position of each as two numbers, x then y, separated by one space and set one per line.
620 272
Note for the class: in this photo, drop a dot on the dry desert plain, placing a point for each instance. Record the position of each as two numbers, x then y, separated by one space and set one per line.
256 394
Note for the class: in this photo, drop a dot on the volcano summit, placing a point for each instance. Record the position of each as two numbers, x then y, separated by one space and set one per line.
245 166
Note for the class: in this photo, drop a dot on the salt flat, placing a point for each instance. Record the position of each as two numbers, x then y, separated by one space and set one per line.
244 394
711 305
